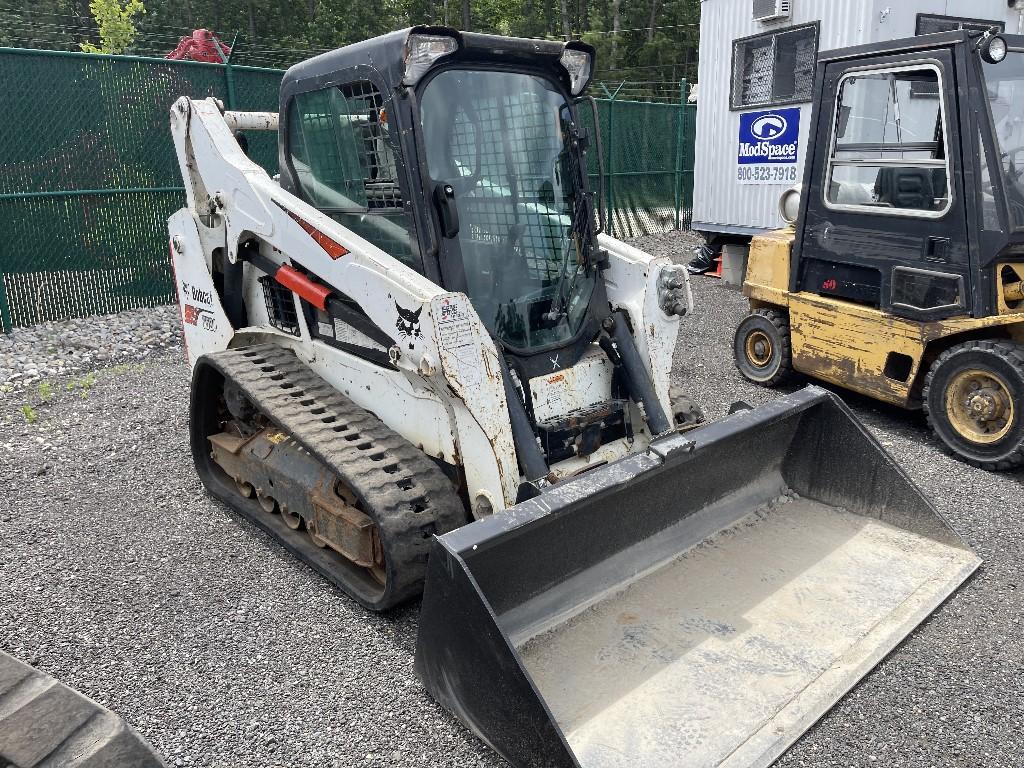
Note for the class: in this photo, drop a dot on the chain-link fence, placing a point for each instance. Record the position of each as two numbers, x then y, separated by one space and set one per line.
648 151
88 174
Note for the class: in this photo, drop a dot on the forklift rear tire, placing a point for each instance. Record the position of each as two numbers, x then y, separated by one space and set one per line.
762 347
973 397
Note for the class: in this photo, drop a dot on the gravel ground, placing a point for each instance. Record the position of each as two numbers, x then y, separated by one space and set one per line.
122 578
64 347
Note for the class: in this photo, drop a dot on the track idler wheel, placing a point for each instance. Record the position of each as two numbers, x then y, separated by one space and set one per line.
316 539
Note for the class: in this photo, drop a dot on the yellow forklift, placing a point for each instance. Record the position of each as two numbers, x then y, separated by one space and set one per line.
900 275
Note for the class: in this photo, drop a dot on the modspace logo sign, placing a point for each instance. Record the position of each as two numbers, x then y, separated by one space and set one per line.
769 137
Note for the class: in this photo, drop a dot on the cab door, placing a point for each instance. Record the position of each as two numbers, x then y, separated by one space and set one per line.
885 223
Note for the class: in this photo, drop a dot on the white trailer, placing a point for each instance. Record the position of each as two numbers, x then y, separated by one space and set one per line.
756 77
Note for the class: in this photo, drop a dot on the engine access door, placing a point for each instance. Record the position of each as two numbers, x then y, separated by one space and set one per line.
885 220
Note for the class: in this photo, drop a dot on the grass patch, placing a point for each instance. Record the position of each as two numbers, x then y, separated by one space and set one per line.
122 368
83 384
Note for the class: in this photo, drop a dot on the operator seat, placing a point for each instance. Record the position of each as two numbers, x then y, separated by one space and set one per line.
908 188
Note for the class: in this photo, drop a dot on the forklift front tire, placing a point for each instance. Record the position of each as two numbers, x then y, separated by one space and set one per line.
762 347
973 398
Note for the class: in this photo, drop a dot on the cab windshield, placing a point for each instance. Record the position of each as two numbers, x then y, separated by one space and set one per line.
504 144
1005 85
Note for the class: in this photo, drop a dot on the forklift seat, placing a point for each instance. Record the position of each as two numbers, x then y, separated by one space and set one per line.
910 188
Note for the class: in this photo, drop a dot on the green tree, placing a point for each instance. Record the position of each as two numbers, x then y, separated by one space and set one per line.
116 23
652 44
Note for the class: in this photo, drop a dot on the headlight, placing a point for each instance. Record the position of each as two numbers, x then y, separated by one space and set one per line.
422 51
674 296
993 49
577 63
789 204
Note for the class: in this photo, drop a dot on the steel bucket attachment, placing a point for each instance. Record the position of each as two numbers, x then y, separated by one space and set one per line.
701 604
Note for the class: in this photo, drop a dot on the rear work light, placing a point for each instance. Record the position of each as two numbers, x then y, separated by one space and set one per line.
422 51
993 49
579 66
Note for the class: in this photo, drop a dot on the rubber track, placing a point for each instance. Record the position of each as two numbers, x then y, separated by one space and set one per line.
401 489
44 724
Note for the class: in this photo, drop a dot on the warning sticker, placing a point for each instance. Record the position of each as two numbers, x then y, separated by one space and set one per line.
458 342
349 335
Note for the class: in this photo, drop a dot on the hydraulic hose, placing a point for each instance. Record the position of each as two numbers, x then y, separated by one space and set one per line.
530 456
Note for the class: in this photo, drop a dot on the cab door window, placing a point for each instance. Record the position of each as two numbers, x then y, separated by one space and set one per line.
342 154
889 150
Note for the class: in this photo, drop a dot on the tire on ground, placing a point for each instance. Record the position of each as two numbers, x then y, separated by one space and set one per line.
973 398
762 347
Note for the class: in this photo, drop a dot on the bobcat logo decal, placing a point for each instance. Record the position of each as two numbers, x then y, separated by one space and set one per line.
408 324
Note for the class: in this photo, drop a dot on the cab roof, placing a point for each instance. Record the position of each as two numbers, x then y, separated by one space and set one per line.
385 57
903 45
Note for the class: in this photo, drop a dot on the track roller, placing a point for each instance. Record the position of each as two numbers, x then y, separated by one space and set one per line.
268 434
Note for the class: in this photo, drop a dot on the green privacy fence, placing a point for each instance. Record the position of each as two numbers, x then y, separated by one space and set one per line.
649 155
88 173
88 176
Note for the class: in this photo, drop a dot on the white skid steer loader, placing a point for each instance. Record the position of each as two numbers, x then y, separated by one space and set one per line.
420 326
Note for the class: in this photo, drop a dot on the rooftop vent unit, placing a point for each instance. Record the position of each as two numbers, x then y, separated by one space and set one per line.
772 10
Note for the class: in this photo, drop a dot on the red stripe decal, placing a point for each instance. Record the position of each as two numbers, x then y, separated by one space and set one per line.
333 249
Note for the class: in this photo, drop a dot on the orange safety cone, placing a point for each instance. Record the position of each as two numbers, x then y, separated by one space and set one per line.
717 271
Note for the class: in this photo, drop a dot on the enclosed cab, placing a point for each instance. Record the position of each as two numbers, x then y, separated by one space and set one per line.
757 60
462 156
901 278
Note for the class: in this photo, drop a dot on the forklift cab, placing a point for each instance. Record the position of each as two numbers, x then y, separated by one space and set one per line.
914 191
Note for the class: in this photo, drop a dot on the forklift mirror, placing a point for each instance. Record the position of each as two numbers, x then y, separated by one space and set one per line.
789 204
844 120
